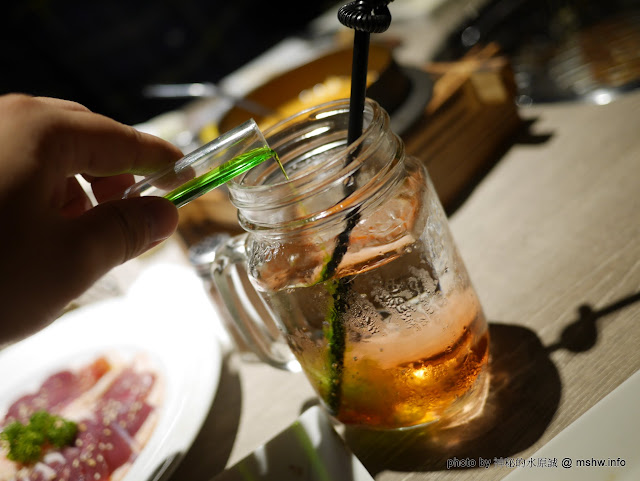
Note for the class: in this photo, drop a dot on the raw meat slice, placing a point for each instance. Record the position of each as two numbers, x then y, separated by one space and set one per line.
115 414
57 391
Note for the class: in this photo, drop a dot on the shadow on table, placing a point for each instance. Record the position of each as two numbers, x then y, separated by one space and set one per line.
307 450
211 449
582 335
524 394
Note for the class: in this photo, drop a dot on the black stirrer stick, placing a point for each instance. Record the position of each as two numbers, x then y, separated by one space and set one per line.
365 17
359 68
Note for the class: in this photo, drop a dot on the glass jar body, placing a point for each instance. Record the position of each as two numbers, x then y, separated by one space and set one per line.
359 269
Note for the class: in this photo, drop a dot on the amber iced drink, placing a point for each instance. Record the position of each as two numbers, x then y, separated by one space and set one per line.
391 335
412 354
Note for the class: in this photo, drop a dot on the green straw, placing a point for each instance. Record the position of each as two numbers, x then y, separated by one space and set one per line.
218 176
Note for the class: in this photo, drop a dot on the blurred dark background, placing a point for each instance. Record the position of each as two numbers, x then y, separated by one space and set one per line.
102 53
560 50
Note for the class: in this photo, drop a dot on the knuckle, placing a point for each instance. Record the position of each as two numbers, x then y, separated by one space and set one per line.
22 109
76 106
29 120
17 102
136 141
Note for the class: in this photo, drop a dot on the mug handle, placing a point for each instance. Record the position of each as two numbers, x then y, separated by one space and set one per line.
246 308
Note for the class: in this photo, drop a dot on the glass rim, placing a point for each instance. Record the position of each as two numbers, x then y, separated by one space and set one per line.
318 112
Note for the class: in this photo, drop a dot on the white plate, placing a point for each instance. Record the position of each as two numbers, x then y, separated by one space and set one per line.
601 445
166 315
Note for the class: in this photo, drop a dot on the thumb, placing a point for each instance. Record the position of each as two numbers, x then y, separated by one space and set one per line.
114 232
76 255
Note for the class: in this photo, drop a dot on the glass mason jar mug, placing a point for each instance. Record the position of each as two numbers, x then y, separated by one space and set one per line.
354 259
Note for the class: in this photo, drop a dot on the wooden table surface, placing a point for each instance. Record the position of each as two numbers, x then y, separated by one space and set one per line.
551 238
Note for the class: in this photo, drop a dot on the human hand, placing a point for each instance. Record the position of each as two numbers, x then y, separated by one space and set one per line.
53 243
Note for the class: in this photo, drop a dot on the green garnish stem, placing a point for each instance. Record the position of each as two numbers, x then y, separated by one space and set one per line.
336 338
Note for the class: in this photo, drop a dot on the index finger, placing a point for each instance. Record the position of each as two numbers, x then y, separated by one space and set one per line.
89 143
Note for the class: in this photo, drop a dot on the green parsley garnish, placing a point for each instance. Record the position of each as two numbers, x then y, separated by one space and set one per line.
26 443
